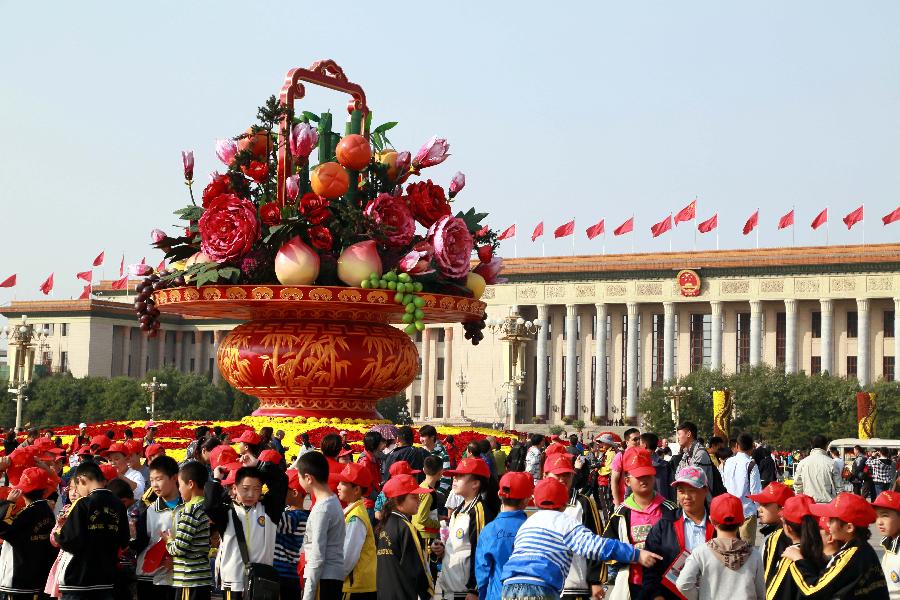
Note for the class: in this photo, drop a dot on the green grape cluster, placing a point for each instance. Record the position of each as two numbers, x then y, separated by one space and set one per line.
406 293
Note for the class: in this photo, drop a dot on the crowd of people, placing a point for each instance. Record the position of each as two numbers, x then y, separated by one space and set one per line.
416 517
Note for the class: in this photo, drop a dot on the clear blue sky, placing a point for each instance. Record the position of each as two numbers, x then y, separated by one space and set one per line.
553 110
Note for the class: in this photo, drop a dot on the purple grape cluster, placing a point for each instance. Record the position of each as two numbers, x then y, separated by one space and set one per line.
474 329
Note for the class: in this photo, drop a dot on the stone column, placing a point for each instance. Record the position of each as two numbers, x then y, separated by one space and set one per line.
198 351
217 340
790 336
827 326
540 375
668 340
448 369
896 339
600 384
425 387
631 379
716 335
755 332
571 400
862 341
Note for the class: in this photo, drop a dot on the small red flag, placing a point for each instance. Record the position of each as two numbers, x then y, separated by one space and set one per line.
709 224
85 275
626 227
47 286
120 284
820 219
687 213
8 282
538 231
122 266
509 232
565 229
595 230
85 293
662 227
99 260
886 219
751 223
787 220
853 218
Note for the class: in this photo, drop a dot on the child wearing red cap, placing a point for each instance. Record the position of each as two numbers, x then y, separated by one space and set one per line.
770 502
726 566
359 537
887 508
289 537
27 553
854 571
480 504
402 570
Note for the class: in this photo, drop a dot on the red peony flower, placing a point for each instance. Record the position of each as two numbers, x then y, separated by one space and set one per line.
218 185
453 245
320 237
393 213
228 228
427 202
256 170
270 214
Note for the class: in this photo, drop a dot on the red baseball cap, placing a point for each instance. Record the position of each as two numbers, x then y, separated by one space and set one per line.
153 450
109 471
774 493
516 485
889 500
847 507
726 509
101 441
117 447
33 479
401 467
270 456
797 507
249 437
559 464
402 485
550 493
470 466
356 474
221 455
637 462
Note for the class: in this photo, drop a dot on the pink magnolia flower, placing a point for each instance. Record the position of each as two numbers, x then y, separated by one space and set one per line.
139 269
453 245
292 186
302 140
226 150
457 183
157 235
393 213
187 161
490 270
434 152
418 260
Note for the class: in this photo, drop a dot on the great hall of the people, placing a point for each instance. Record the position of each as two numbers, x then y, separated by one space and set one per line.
610 326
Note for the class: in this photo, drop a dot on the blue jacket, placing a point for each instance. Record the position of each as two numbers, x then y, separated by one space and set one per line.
495 544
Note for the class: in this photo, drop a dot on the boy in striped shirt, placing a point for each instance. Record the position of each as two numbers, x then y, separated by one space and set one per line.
189 542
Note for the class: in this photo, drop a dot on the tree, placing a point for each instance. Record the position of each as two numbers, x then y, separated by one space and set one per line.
395 409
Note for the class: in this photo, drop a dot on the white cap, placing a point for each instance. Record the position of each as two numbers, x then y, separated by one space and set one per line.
82 426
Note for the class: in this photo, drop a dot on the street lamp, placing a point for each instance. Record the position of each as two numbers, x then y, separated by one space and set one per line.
153 387
24 339
516 331
676 393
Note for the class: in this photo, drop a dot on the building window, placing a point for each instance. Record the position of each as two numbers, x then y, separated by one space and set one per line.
780 335
439 407
417 405
816 325
440 368
852 329
743 341
888 366
889 324
815 366
701 341
441 336
64 329
657 354
851 366
63 362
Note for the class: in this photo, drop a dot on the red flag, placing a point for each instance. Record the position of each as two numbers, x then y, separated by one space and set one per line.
751 223
626 227
538 231
47 286
820 219
787 220
853 218
85 275
662 227
85 293
565 229
709 224
886 219
120 284
99 260
687 213
122 266
595 230
8 282
509 232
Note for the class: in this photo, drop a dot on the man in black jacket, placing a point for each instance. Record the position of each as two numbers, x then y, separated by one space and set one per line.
94 532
